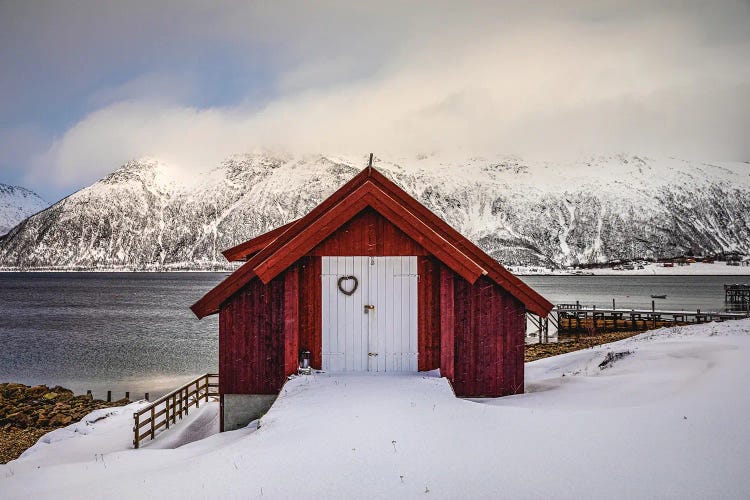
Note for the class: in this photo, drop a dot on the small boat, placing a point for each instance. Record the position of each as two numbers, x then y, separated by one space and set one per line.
659 296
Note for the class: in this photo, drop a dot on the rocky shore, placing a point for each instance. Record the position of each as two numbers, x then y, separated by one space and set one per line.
27 413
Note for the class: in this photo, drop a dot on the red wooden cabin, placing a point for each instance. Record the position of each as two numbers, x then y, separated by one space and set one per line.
369 280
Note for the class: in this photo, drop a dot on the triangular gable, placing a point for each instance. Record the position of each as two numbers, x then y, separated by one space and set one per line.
373 189
283 255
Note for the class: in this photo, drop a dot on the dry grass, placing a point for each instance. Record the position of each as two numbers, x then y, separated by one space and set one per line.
14 441
570 343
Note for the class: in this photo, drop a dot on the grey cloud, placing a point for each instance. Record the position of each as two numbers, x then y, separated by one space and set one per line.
517 77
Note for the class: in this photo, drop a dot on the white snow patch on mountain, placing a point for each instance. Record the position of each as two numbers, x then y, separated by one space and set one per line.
534 213
17 203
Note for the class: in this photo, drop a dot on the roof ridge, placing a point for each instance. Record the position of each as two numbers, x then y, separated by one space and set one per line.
462 255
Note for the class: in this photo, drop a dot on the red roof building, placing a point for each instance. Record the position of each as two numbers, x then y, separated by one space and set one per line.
369 280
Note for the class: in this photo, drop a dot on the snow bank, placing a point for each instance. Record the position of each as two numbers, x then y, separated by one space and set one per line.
666 417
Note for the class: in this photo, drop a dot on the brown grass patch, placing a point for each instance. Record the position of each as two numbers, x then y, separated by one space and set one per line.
570 343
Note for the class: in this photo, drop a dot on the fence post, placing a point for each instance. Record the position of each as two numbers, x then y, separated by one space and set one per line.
152 423
135 430
197 393
109 396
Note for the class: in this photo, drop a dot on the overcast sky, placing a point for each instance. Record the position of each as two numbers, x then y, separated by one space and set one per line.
85 87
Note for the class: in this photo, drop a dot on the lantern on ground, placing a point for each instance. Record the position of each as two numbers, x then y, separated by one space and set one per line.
304 360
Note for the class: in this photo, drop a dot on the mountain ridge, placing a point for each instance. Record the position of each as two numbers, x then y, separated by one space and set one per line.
143 216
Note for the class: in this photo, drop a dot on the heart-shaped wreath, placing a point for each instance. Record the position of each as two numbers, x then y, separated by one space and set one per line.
348 278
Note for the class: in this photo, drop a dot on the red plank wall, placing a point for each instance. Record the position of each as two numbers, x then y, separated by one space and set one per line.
474 333
489 331
368 233
428 313
310 313
251 339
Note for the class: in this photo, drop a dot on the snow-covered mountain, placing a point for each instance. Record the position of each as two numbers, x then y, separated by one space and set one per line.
144 216
17 203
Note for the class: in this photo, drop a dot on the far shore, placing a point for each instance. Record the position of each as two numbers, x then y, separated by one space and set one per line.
696 269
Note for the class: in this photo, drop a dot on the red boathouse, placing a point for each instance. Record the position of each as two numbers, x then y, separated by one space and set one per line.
369 280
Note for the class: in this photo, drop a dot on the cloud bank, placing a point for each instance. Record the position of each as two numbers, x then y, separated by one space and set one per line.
528 78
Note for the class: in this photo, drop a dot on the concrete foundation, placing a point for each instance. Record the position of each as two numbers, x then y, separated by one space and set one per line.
241 409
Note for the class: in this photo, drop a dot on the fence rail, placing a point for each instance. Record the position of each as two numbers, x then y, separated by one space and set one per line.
165 411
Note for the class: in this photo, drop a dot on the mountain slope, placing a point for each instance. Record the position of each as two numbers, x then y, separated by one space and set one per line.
17 203
142 216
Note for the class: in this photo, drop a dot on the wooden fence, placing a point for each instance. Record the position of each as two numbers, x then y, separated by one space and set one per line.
166 410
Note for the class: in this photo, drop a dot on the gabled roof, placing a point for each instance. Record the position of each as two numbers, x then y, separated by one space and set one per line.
270 254
245 250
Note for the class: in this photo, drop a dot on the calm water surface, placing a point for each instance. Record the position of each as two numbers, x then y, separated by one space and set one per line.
134 331
106 331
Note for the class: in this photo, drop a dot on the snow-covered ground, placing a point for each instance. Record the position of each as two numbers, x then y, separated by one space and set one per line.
668 420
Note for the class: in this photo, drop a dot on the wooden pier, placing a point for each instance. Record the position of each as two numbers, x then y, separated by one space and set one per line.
737 295
577 319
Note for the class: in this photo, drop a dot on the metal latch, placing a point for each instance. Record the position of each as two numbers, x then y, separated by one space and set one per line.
368 308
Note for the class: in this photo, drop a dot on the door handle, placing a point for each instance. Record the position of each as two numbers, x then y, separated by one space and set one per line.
372 354
368 308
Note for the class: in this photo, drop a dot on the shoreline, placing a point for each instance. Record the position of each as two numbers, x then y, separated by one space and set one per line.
744 273
651 269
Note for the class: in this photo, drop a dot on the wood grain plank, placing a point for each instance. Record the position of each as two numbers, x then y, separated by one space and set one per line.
447 324
291 320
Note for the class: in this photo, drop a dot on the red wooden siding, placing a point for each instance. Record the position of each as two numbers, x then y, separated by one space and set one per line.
489 339
447 324
310 309
473 333
428 313
370 234
291 320
251 339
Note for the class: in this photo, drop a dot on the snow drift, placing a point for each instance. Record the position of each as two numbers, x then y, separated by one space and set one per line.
666 420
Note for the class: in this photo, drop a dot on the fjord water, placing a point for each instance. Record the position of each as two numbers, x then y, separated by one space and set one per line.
135 332
106 331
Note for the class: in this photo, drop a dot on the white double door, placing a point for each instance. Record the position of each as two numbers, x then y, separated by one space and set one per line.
374 328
